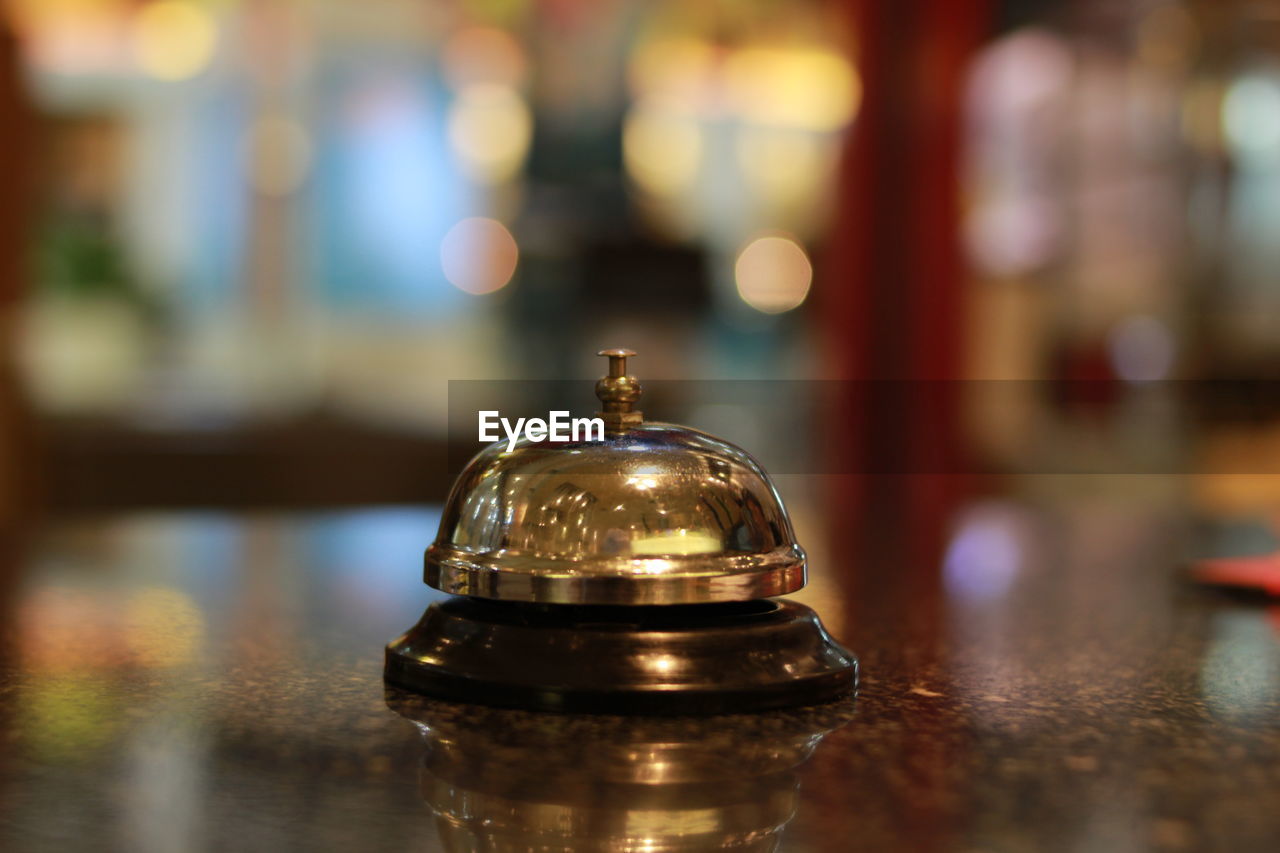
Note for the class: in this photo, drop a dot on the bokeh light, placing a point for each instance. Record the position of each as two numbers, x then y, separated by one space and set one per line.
479 255
679 71
985 555
173 40
765 120
785 165
773 274
489 128
1142 349
1251 115
661 148
69 37
809 89
1014 225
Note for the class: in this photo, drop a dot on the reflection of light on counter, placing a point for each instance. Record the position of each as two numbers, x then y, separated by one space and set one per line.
68 629
1251 115
773 274
676 542
278 155
984 556
808 89
64 718
661 148
173 40
1141 349
489 129
357 558
1240 676
162 627
479 255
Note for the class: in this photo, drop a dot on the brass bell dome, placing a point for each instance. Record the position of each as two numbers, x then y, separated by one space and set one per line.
650 514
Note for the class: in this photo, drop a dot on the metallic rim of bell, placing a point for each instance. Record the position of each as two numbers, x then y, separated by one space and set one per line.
688 579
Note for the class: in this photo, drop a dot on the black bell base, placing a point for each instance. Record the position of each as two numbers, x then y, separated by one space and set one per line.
673 659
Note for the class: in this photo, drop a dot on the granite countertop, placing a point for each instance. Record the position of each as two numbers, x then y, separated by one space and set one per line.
208 681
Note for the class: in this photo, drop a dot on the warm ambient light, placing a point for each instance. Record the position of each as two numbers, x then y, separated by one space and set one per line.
661 148
787 166
479 255
764 119
173 40
814 90
680 71
69 36
773 274
489 128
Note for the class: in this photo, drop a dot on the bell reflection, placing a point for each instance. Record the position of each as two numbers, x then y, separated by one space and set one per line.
502 780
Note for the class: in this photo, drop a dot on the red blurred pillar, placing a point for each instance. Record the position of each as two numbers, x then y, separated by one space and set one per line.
892 293
15 426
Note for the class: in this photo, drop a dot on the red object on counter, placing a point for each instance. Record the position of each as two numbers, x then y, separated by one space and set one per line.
1260 573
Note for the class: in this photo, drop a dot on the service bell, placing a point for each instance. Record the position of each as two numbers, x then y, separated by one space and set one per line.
629 572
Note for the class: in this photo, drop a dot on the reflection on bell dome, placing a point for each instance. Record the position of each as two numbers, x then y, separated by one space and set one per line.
654 513
680 541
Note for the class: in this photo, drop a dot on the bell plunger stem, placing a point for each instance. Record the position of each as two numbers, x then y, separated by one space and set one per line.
618 392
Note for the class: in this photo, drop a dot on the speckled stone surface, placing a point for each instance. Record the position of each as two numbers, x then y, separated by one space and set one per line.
207 682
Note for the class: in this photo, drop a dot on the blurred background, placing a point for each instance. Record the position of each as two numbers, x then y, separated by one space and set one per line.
989 286
247 243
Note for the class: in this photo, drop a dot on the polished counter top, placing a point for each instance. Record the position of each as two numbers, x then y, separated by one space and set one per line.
206 681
